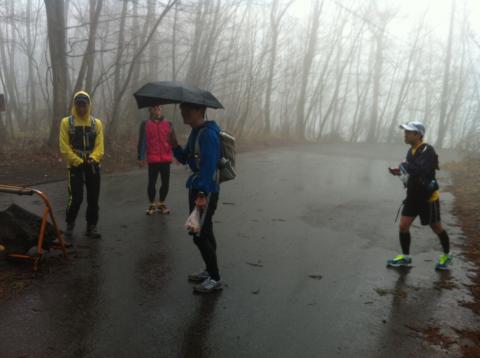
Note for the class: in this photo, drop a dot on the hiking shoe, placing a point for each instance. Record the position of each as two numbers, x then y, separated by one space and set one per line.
198 277
69 231
208 286
443 262
399 261
162 209
92 232
152 209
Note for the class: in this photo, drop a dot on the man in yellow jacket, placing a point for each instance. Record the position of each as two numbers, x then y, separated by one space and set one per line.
81 145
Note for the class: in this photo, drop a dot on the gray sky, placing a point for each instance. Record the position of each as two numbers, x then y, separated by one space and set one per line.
410 11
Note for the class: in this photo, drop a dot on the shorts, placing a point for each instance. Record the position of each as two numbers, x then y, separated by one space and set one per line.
429 212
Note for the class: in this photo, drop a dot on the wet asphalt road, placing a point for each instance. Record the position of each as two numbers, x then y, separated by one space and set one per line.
303 236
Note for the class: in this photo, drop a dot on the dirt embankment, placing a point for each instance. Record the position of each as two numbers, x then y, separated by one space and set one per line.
33 165
466 190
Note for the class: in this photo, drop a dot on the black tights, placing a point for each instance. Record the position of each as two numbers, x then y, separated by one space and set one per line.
405 240
153 170
205 241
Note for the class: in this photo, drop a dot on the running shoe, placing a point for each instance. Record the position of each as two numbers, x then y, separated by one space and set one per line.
399 261
152 209
162 209
443 262
92 232
198 277
208 286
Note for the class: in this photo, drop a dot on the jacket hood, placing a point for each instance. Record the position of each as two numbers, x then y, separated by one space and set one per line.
212 125
74 111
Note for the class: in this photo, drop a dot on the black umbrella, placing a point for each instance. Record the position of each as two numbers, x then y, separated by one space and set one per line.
169 92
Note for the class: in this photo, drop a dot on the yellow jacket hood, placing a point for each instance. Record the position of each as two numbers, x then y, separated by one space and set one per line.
73 111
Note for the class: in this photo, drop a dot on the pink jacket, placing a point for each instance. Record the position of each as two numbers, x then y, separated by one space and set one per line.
153 141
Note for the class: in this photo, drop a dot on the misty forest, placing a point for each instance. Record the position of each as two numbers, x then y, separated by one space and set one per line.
340 70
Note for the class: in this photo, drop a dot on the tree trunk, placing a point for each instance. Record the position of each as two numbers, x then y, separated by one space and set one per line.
57 43
174 44
377 77
32 98
446 78
276 16
120 90
307 64
85 73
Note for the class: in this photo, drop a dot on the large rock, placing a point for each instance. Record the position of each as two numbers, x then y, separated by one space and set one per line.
19 230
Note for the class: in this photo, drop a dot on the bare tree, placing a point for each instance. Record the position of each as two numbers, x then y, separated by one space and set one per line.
276 15
378 28
85 74
121 88
307 64
57 43
410 73
341 75
442 125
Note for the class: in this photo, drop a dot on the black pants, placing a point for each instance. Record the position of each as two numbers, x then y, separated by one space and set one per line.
205 241
88 175
153 170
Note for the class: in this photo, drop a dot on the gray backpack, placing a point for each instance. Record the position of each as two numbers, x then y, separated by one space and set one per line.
226 164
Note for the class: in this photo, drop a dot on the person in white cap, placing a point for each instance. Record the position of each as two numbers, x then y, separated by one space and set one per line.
423 198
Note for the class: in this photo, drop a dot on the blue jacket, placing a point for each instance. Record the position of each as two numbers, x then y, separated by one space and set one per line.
203 178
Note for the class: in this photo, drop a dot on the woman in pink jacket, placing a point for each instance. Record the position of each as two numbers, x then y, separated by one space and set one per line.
154 149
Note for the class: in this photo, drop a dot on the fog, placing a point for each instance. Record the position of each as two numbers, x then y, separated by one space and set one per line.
329 71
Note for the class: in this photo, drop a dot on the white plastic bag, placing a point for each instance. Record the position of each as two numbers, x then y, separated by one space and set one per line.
193 222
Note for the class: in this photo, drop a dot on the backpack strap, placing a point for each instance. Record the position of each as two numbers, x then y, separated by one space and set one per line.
93 125
71 125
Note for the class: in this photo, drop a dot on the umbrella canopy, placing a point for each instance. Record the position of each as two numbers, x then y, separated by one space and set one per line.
169 92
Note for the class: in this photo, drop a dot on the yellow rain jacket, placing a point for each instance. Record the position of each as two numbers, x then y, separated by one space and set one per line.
71 154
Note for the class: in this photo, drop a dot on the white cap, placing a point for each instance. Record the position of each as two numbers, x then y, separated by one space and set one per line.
414 126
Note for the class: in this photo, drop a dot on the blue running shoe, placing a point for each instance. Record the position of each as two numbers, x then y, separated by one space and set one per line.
399 261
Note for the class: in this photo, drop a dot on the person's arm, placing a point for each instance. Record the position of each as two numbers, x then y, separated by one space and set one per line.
209 155
98 149
64 144
142 142
180 154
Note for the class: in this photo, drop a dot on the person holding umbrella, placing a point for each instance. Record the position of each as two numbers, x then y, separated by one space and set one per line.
155 149
202 154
